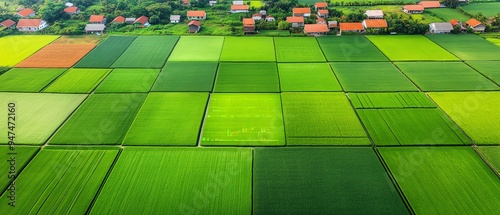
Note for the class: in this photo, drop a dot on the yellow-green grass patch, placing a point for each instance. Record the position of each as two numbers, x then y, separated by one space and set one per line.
128 81
77 81
28 80
307 77
17 48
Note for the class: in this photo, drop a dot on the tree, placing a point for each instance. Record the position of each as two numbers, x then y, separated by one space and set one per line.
283 25
52 11
451 3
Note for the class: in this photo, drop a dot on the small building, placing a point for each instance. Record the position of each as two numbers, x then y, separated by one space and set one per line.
302 11
130 20
194 26
323 13
238 3
374 24
320 6
69 4
413 8
31 25
440 27
320 21
97 19
212 3
257 16
270 18
142 22
239 8
185 2
296 21
196 15
456 23
316 29
7 24
476 25
248 26
118 20
26 13
430 4
72 10
95 28
333 24
175 18
352 27
263 12
374 14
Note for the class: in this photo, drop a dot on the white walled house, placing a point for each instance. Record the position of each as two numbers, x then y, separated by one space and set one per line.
440 27
31 25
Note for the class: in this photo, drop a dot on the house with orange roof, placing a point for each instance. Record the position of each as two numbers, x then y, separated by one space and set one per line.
257 16
413 8
7 24
142 22
26 13
72 10
97 19
316 29
194 26
196 15
118 20
323 13
239 8
320 6
374 24
302 11
476 25
320 21
430 4
296 21
31 25
248 25
352 27
185 2
456 23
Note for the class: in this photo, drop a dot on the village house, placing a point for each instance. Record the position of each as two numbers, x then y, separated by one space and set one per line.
440 28
26 13
72 10
374 24
320 6
31 25
296 21
69 4
238 3
430 4
194 26
263 12
185 2
323 13
356 27
212 3
333 25
7 24
476 25
239 8
248 26
97 19
142 22
320 21
374 14
316 29
270 18
175 18
302 11
196 15
130 20
95 28
257 16
118 20
456 23
413 8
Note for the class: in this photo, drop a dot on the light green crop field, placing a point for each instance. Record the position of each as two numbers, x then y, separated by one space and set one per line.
307 77
410 48
27 80
106 53
197 48
371 76
448 14
444 180
247 77
321 119
350 48
60 181
244 119
187 77
17 48
487 68
415 126
488 9
299 180
22 157
208 180
128 81
248 49
492 155
168 119
298 49
390 100
475 112
147 52
37 115
101 119
77 81
495 41
467 46
445 76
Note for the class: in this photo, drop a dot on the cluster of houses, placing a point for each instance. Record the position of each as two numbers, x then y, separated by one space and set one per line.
447 27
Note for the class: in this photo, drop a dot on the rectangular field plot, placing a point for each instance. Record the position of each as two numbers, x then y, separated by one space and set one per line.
22 157
307 77
390 100
17 48
298 49
410 48
475 112
445 76
101 119
243 119
487 68
247 77
60 181
350 48
444 180
168 119
147 52
411 126
488 9
106 53
197 48
322 180
78 81
448 14
128 81
212 180
38 115
248 49
186 77
371 76
27 80
321 119
467 46
57 56
492 156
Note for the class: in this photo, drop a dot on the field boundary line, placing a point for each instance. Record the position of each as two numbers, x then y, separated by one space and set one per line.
18 173
494 82
54 80
474 147
406 76
200 130
372 143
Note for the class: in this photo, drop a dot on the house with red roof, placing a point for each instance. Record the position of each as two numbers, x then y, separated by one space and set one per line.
320 6
72 10
31 25
7 24
118 20
26 13
323 13
194 26
352 27
196 15
257 16
142 22
248 25
302 11
320 21
296 21
239 8
430 4
97 19
476 25
413 8
374 24
316 29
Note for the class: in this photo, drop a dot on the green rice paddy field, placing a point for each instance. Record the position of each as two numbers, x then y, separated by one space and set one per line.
253 125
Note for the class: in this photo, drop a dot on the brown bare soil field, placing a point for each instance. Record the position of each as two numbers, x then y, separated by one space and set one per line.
57 56
78 39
